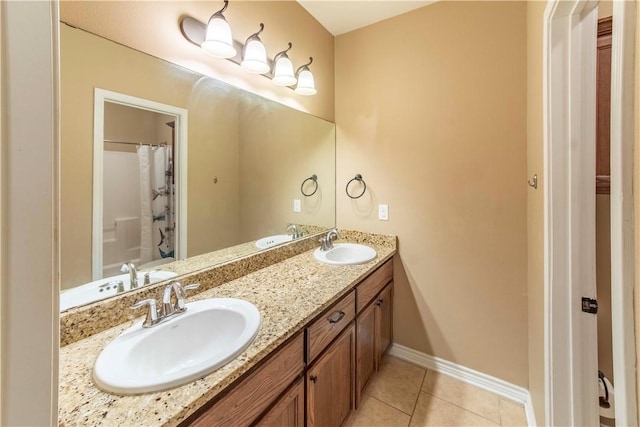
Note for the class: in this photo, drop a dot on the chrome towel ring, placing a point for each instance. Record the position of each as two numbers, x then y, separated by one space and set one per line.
358 178
313 178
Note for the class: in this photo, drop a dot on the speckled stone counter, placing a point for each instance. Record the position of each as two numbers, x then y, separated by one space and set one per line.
208 269
288 294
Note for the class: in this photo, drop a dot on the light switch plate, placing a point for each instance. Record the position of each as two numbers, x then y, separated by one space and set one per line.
296 205
383 212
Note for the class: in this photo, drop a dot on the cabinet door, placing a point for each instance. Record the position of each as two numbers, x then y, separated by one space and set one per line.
366 355
384 322
254 394
288 411
330 383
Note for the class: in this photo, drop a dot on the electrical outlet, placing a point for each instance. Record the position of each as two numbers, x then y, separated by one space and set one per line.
383 212
296 205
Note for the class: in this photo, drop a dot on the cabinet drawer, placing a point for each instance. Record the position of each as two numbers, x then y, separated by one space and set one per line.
324 329
372 285
254 394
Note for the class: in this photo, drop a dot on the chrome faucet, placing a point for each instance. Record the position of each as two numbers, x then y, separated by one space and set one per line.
128 267
294 231
155 315
326 242
176 289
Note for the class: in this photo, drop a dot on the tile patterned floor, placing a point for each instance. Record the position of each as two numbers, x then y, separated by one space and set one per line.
404 395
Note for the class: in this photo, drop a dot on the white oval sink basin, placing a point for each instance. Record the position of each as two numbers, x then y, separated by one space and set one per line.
101 289
346 254
184 348
270 241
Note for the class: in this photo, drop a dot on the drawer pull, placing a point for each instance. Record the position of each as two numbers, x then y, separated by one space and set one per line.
313 378
337 317
379 302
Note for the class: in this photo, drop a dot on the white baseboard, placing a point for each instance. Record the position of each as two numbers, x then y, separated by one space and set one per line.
470 376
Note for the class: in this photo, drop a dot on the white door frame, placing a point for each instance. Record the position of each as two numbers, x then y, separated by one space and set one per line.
100 97
569 102
622 212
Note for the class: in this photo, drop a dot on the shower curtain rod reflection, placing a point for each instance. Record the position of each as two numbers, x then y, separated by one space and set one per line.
113 141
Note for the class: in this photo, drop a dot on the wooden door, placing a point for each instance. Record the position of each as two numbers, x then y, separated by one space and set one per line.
330 383
384 322
603 106
366 357
288 411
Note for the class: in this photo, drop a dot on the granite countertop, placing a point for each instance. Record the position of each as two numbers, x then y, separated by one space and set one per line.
288 294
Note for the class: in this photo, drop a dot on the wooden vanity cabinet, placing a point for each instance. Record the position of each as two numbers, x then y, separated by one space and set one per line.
318 377
330 383
374 327
384 322
254 394
288 411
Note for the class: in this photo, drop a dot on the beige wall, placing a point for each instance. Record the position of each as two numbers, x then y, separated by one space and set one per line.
605 8
636 195
430 109
153 27
276 158
535 208
130 124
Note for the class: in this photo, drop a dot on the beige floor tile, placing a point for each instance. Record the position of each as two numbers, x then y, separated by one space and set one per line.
373 413
397 383
512 413
432 411
467 396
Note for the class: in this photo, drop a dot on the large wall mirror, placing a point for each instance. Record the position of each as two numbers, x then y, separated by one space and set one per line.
230 167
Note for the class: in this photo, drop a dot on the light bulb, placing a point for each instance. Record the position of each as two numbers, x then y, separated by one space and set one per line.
283 72
218 40
254 59
306 84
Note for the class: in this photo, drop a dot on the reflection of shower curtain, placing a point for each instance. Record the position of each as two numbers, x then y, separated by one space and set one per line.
157 202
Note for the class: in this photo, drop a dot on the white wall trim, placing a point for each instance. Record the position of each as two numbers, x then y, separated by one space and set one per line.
29 200
622 212
467 375
569 50
181 142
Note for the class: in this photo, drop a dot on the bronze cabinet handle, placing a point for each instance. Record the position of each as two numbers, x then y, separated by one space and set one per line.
336 318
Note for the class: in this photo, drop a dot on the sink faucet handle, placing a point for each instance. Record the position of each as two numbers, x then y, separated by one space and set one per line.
191 287
152 314
334 232
181 294
147 277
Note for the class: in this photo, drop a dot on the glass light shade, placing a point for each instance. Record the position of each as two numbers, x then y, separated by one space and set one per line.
255 57
218 40
283 72
306 84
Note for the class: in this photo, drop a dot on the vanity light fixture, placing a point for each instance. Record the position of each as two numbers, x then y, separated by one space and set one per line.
306 84
218 40
254 54
283 69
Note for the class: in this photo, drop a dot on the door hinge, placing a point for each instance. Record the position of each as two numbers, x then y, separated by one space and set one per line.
589 305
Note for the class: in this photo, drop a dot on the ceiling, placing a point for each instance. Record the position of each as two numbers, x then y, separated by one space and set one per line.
342 16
